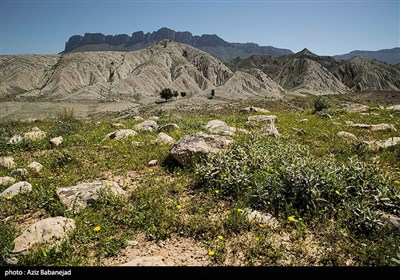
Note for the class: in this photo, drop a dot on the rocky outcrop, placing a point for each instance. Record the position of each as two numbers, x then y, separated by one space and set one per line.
261 120
347 135
373 127
193 146
50 232
15 189
357 108
147 125
382 144
6 181
35 166
393 108
7 162
121 134
34 134
56 141
165 139
78 197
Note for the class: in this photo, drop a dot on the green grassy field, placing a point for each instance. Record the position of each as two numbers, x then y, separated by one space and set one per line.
325 193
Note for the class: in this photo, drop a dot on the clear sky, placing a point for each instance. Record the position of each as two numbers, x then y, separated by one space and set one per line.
325 27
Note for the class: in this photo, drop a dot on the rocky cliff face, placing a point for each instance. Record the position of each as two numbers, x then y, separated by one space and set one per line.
114 76
360 74
212 44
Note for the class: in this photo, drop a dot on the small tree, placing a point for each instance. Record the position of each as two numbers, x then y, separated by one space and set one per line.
212 93
320 104
166 94
183 94
176 94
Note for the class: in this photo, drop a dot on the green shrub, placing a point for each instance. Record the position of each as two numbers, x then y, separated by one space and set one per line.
285 179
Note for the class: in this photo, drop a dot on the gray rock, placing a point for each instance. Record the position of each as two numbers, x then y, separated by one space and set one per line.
357 108
50 231
196 145
7 162
219 127
121 134
15 139
19 172
271 130
254 109
393 220
259 217
382 144
35 166
169 127
258 120
7 181
372 127
303 120
164 138
34 134
147 125
393 108
152 163
78 197
347 135
56 141
146 261
17 188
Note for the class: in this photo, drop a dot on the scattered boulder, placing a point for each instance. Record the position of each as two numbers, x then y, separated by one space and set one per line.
270 130
164 138
258 120
78 197
17 188
34 134
347 135
19 172
56 141
196 145
382 144
15 139
146 261
259 217
152 163
7 162
357 108
121 134
147 125
219 127
50 231
372 127
35 166
6 181
393 108
169 127
254 109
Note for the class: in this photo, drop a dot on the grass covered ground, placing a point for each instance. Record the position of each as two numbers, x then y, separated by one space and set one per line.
326 194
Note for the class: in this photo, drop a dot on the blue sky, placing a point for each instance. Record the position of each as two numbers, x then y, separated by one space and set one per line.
324 27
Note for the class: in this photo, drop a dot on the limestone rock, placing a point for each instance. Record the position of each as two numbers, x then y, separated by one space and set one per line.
259 217
7 162
393 220
254 109
78 197
17 188
303 120
6 181
15 139
258 120
196 145
169 127
382 144
146 261
117 125
35 166
357 108
219 127
50 231
19 172
271 130
347 135
152 163
56 141
121 134
393 108
154 118
164 138
34 134
147 125
372 127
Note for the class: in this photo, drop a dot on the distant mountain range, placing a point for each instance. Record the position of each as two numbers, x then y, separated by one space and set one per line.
214 45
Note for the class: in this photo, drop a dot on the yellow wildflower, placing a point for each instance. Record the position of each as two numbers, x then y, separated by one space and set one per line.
291 219
109 184
228 212
211 253
257 239
300 219
50 177
97 228
95 164
150 169
9 197
178 206
217 191
337 192
261 225
220 237
239 210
